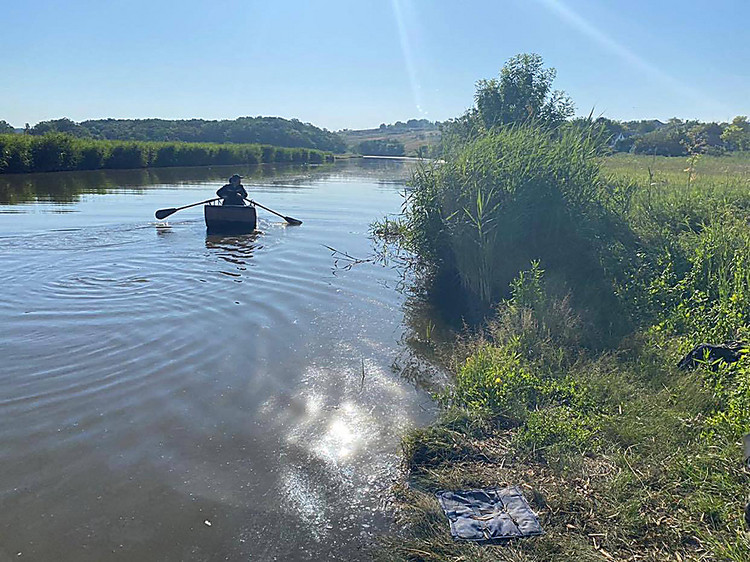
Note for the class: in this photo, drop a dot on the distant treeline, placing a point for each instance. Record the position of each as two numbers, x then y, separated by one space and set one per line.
257 130
410 125
59 152
380 147
676 137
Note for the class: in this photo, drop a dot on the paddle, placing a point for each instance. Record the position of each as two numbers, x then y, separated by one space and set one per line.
164 213
290 220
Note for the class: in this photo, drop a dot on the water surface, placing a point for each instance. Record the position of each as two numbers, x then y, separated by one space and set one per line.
168 395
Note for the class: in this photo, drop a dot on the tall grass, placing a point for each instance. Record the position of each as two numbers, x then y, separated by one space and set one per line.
59 152
511 197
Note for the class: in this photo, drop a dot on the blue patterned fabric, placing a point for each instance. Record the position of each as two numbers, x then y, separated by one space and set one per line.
488 515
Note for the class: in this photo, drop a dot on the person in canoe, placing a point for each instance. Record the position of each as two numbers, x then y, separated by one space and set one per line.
233 193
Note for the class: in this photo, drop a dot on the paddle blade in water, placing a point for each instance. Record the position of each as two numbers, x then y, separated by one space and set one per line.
290 220
164 213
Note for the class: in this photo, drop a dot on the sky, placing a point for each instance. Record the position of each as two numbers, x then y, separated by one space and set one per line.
358 63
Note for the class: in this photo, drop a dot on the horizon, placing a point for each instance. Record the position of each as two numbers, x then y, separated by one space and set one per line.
375 127
339 66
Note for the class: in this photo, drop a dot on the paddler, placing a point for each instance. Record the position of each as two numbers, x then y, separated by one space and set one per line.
233 193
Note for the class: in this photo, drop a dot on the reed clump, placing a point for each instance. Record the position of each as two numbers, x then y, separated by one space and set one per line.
54 152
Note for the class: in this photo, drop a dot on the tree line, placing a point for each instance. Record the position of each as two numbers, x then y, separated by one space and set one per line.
676 137
274 131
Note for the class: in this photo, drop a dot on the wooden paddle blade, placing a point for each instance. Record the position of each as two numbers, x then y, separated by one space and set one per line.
164 213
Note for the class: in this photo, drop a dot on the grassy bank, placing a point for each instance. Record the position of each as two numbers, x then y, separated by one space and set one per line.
56 152
593 277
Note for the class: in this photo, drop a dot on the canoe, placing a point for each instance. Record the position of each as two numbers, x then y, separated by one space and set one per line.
232 219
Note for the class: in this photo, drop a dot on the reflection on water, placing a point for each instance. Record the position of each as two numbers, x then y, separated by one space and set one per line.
236 249
155 378
67 187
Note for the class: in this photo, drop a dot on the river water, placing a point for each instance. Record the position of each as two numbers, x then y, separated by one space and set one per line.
168 395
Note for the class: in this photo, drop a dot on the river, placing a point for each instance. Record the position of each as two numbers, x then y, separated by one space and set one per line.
168 395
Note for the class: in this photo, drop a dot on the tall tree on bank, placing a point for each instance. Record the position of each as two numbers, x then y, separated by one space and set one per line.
522 93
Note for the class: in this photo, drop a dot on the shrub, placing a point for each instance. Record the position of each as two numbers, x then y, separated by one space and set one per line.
54 152
127 155
93 155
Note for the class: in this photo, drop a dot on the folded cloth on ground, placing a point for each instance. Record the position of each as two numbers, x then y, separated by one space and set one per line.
491 514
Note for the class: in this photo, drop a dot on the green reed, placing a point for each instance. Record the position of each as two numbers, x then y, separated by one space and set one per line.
59 152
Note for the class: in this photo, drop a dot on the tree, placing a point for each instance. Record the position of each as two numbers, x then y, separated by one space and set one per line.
737 134
522 92
6 127
266 130
63 125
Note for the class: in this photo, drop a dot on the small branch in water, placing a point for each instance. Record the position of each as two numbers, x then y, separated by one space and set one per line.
348 260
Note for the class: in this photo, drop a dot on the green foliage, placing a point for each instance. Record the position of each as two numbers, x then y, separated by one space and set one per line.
560 428
707 292
15 153
509 198
646 457
731 386
528 288
54 152
737 135
63 125
126 155
496 381
380 147
523 92
667 141
59 152
244 130
6 128
410 125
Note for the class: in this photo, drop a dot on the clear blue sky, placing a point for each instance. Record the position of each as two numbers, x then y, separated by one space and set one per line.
357 63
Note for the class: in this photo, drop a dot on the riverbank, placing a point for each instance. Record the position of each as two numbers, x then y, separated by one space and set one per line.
570 389
55 152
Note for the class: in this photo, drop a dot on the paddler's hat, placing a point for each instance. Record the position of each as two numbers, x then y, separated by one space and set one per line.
235 176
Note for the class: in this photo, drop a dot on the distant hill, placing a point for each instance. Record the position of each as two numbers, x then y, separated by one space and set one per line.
274 131
417 137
